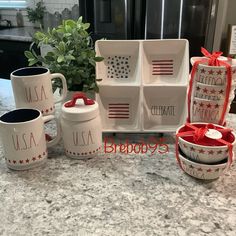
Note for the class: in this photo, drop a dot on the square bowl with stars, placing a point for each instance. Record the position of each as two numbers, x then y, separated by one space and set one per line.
121 64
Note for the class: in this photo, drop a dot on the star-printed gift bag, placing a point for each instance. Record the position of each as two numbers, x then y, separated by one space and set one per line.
211 88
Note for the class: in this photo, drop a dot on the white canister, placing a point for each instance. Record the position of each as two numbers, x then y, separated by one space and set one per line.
81 127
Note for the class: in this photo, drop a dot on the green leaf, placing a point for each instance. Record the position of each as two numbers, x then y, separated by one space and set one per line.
67 35
32 62
92 62
39 35
60 59
49 58
68 28
70 57
98 59
86 26
62 46
71 23
28 54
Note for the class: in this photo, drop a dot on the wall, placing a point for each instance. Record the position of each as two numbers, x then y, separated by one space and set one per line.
51 6
230 16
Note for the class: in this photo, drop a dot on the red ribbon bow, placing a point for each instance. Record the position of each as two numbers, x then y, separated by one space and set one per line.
199 133
212 58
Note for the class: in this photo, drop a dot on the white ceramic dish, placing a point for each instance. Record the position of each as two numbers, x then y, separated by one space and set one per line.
121 64
165 62
202 153
202 171
143 90
162 111
119 108
204 110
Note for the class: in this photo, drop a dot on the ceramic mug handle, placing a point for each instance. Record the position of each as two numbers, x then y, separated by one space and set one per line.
56 139
64 85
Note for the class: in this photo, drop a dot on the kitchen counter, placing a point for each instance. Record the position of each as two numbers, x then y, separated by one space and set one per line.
23 34
113 194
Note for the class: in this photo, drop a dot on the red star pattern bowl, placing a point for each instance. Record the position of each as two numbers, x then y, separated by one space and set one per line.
207 150
214 75
212 92
202 171
206 110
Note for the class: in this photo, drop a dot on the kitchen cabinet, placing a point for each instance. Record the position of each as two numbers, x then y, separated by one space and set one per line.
12 56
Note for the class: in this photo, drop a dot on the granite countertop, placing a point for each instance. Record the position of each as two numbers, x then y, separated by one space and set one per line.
18 34
113 194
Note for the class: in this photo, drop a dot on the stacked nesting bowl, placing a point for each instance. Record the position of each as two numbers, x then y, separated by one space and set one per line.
209 92
206 158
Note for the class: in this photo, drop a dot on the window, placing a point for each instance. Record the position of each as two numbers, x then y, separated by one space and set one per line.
12 4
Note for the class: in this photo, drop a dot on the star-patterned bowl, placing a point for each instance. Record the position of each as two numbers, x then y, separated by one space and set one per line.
205 110
212 92
212 151
214 75
202 171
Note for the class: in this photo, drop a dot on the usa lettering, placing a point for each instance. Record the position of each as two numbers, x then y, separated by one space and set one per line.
35 94
23 141
194 172
83 138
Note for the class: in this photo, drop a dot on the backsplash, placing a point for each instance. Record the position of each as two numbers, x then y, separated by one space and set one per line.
51 6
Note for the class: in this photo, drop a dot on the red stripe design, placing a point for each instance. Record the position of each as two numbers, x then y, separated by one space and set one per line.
162 73
162 60
162 70
115 107
118 110
118 117
162 64
122 104
162 67
124 111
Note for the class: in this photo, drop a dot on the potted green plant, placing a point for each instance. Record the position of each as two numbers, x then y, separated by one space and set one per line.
72 54
35 15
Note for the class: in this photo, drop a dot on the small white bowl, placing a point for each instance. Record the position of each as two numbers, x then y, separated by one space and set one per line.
205 110
202 153
202 171
212 92
214 75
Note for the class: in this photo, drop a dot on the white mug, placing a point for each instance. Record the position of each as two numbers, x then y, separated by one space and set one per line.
32 88
23 138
